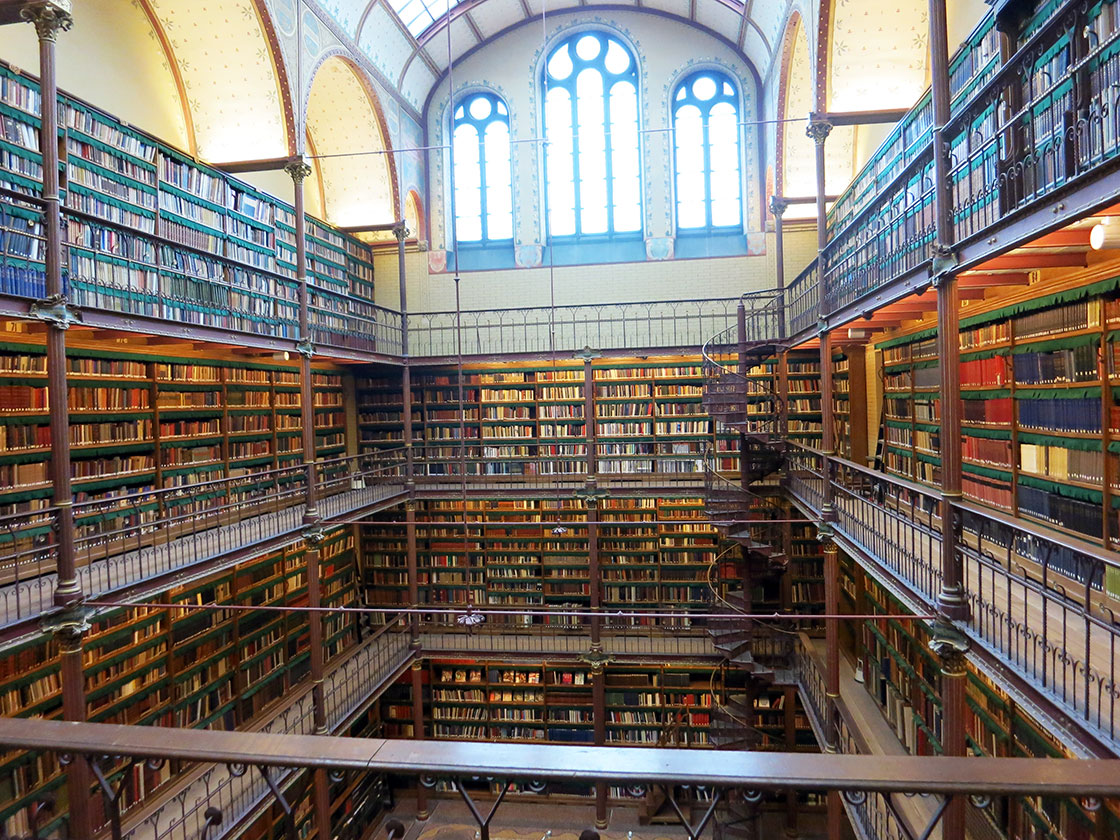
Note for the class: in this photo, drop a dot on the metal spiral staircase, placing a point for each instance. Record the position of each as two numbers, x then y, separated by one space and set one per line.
752 549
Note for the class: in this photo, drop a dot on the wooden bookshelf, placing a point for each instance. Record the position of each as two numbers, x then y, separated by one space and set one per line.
1037 382
526 418
137 199
902 675
153 665
652 551
141 422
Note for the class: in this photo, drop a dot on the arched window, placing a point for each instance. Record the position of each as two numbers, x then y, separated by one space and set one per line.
706 128
481 166
591 125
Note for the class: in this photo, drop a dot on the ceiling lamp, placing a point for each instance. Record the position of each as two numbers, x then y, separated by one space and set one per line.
1104 236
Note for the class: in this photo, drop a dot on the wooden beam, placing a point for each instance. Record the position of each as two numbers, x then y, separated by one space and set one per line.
1033 261
864 117
1070 237
264 165
993 280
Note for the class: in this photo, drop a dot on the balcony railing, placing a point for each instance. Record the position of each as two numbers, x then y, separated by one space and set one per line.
125 540
673 635
117 269
237 792
875 816
1046 120
566 329
1036 597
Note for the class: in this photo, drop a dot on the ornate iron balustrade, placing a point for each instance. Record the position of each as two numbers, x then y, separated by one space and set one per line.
874 816
1046 121
566 329
1036 596
738 774
803 300
1039 123
126 274
348 686
125 540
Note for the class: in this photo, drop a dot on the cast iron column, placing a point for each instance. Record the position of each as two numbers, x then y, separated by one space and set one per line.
951 646
835 815
54 310
951 599
418 731
818 130
778 208
299 170
401 232
313 534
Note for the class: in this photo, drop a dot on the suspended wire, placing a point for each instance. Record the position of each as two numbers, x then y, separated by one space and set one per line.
491 611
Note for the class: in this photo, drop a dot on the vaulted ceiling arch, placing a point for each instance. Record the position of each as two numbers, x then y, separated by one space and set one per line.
347 141
226 61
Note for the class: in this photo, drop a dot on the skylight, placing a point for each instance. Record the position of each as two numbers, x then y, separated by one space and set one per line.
418 15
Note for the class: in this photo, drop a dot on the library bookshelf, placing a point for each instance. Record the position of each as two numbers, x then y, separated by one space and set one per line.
141 422
1039 372
530 418
902 675
151 231
162 666
652 551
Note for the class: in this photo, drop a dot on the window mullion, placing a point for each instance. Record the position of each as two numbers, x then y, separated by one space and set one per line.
706 139
608 147
573 97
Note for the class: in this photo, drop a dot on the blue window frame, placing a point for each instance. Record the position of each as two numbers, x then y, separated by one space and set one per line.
591 126
481 167
707 153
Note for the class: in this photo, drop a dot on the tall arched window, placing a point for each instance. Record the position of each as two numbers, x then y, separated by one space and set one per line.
481 166
706 127
591 125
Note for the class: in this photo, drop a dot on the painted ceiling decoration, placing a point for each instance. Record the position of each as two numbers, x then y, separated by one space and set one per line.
799 175
229 76
877 54
407 40
345 134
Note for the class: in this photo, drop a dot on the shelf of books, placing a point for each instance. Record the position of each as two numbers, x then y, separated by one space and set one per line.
849 377
140 422
652 551
152 231
201 668
528 418
552 701
806 569
803 378
902 675
1040 430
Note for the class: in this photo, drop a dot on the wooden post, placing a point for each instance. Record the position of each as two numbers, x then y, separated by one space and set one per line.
69 633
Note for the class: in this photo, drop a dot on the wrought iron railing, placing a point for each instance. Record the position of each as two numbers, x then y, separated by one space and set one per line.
124 540
1036 598
874 817
351 684
566 329
139 273
803 300
1046 120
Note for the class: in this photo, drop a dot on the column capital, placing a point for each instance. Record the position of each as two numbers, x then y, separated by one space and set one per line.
818 128
951 646
401 231
298 169
49 18
69 626
778 206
